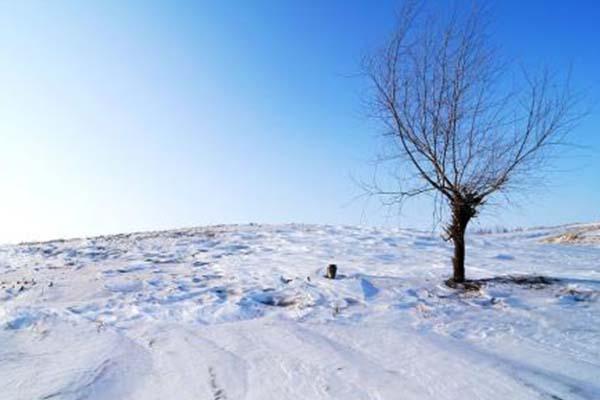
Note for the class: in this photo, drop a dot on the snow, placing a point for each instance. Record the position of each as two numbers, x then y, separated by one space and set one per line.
581 233
245 312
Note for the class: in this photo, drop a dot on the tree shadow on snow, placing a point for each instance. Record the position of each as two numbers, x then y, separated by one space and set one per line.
567 288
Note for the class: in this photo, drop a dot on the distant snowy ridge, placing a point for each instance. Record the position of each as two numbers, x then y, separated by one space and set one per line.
578 234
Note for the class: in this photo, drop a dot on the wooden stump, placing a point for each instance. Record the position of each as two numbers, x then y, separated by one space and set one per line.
331 271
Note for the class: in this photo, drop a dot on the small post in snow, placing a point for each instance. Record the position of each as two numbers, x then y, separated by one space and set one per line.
331 271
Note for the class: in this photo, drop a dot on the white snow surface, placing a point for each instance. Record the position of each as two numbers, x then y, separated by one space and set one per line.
244 312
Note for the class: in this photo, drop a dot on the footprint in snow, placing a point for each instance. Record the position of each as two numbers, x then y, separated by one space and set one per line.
217 391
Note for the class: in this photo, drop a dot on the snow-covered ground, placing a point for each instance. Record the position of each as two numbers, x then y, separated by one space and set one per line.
580 233
244 312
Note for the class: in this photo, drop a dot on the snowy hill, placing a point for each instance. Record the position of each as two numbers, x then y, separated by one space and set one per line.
577 234
244 312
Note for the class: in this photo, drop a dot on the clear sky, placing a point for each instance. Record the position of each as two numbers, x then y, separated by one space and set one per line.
119 116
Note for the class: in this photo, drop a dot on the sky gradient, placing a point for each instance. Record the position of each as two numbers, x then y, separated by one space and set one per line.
124 116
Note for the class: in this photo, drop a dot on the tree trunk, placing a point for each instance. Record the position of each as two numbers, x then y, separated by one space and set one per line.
458 261
462 213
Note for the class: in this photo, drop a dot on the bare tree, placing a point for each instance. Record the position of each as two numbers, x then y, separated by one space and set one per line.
458 127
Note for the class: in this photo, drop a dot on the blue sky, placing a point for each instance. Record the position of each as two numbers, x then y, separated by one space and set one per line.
119 116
